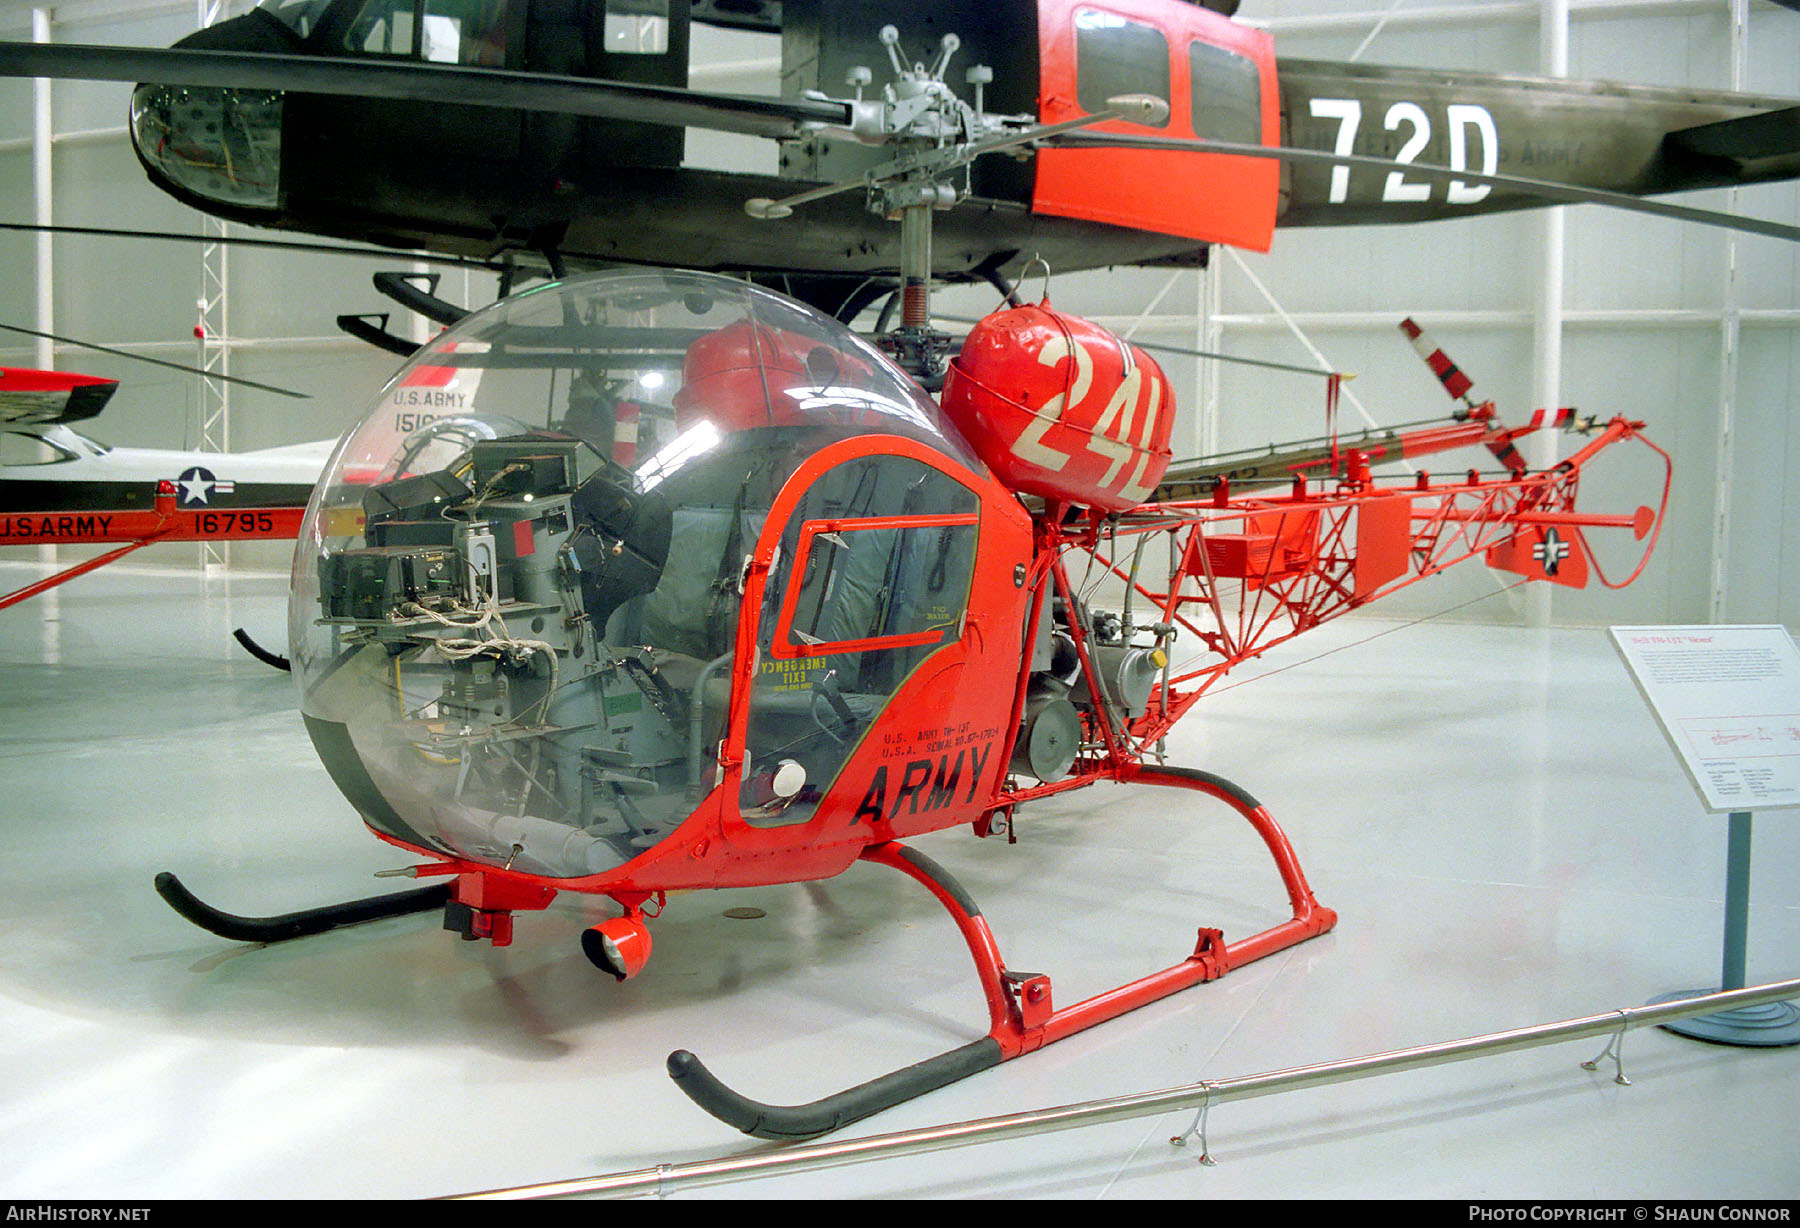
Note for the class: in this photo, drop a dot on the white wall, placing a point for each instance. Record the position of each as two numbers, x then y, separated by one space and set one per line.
1644 305
1644 302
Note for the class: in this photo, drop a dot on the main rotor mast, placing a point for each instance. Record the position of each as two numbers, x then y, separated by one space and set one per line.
936 136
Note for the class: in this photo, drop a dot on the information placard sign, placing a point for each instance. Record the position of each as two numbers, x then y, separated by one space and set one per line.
1728 700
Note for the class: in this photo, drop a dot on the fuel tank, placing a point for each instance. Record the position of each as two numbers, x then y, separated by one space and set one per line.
775 376
1061 408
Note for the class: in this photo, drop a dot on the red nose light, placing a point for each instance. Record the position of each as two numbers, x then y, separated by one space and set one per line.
620 946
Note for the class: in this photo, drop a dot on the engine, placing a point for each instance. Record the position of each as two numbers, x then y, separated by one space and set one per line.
1061 707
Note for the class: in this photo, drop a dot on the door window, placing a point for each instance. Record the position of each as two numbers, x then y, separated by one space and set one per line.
384 27
871 578
1227 95
1116 56
637 27
440 31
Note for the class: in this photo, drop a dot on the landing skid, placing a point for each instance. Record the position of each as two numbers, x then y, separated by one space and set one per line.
1021 1016
1020 1012
300 924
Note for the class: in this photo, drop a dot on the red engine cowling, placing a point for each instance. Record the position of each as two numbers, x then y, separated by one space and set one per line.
1061 408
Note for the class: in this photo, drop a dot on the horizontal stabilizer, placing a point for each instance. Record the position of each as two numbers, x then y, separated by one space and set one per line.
1749 138
1541 552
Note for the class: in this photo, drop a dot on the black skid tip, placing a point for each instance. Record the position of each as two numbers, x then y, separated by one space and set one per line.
789 1123
274 659
300 924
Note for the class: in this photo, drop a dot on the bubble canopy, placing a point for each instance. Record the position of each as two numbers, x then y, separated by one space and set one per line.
519 586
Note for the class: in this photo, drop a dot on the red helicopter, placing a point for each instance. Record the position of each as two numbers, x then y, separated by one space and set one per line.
674 583
687 586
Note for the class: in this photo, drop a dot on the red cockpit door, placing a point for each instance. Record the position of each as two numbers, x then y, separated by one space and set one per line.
1219 79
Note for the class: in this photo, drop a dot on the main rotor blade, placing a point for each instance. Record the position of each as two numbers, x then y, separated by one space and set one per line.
322 249
1158 348
157 362
1563 192
419 82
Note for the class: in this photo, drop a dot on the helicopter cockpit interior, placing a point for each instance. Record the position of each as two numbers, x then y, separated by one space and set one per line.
523 576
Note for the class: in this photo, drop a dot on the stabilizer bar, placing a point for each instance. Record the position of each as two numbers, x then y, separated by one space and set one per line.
404 289
372 328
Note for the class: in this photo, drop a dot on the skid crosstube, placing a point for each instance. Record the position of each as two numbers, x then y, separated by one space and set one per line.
300 924
1022 1016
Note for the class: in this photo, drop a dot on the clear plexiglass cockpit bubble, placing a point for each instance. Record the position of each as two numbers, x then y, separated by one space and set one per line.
517 589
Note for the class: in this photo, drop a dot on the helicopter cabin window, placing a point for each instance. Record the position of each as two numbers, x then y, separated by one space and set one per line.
383 27
637 27
872 577
1227 95
440 31
21 448
300 16
1116 56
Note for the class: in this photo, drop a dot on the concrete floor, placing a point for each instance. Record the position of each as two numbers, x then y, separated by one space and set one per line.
1492 811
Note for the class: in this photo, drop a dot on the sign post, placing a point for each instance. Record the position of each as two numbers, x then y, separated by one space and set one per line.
1728 701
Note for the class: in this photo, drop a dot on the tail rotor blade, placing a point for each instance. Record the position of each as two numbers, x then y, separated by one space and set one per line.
1449 374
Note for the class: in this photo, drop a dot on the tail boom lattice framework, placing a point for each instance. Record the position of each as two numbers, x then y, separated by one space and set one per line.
1248 572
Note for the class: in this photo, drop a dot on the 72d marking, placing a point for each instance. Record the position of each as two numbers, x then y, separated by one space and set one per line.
1460 118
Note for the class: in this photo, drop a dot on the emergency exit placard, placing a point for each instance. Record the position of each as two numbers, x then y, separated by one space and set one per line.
1728 700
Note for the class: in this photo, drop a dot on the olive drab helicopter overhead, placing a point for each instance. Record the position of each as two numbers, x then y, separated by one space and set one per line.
554 131
685 585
